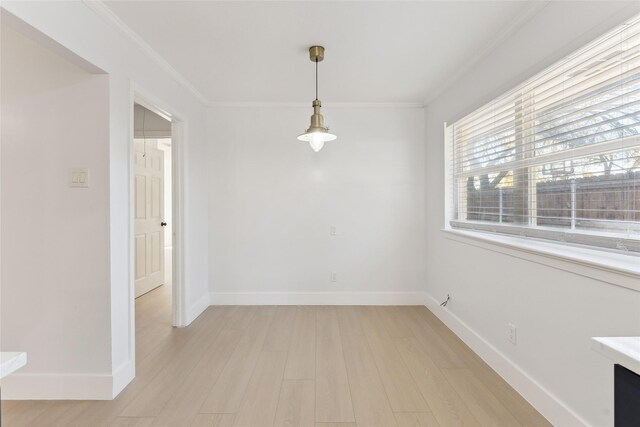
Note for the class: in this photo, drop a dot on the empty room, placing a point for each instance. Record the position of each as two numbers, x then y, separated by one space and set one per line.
319 213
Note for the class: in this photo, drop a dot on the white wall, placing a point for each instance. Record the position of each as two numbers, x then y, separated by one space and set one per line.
83 31
556 312
272 201
55 239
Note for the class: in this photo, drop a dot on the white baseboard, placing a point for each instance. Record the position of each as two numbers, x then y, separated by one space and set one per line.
197 308
19 386
122 376
57 387
317 298
544 401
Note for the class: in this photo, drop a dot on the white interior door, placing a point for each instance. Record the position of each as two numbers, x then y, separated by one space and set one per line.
149 217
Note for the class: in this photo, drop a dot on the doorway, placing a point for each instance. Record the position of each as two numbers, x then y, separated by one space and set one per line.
153 226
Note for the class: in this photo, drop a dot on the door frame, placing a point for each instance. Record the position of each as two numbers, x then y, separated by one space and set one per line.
178 138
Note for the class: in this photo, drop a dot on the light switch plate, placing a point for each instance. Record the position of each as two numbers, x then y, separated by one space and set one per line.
79 177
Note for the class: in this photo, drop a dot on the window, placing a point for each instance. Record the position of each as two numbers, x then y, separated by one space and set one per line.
558 157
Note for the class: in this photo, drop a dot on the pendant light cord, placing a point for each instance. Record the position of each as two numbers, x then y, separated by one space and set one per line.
316 78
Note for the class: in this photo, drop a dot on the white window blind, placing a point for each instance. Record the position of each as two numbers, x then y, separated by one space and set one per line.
558 157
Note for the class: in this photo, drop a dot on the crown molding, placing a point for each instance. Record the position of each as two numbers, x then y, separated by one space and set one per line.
308 104
514 25
112 19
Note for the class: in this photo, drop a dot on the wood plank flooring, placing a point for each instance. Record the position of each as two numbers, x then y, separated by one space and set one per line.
294 366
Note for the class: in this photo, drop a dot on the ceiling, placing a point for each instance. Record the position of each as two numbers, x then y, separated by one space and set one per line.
383 52
146 123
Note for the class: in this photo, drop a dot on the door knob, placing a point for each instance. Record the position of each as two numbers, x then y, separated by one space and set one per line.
163 224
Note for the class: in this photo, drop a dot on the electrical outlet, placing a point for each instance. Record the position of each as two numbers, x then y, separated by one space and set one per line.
334 277
512 333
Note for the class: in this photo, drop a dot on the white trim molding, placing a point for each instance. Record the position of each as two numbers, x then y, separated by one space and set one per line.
552 408
197 308
317 298
58 387
122 376
606 266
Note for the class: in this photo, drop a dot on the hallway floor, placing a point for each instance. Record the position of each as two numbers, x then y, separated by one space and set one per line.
294 366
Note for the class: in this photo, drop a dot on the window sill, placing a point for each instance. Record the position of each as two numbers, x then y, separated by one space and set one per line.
614 268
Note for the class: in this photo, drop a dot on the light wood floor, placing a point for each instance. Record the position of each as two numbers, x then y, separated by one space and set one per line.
295 366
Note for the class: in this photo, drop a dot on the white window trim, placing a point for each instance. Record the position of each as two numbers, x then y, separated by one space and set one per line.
603 241
613 268
609 267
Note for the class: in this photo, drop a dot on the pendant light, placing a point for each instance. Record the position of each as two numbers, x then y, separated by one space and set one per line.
318 133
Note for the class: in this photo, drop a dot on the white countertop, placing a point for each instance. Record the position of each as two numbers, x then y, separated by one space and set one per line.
624 351
11 361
